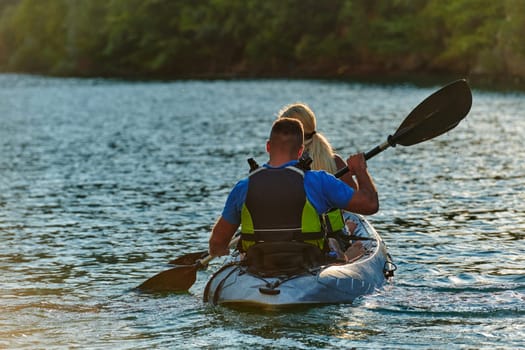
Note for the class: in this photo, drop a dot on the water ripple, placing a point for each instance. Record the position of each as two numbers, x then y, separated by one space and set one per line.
103 182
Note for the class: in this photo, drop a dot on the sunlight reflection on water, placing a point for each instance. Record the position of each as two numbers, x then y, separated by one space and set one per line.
103 182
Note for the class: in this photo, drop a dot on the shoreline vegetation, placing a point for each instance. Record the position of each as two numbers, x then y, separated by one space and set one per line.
421 41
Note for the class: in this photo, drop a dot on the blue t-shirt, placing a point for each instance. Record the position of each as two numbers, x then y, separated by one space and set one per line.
322 189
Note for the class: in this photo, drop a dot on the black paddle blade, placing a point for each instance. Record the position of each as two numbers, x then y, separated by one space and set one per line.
177 279
189 259
437 114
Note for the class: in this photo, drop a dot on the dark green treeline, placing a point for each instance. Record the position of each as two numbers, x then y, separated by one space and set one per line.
263 38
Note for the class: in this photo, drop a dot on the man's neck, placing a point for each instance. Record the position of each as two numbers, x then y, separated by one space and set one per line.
278 161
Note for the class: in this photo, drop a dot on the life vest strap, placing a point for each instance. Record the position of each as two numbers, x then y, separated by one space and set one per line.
281 236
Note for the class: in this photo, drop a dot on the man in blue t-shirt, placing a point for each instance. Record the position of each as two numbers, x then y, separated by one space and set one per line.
277 200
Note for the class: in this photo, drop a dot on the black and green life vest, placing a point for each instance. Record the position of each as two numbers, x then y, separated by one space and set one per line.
276 209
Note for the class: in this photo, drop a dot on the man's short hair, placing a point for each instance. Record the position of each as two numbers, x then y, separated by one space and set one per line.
287 134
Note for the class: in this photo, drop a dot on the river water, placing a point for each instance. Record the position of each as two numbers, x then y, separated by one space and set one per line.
102 182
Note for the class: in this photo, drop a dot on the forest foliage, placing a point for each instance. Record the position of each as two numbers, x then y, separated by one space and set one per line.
172 39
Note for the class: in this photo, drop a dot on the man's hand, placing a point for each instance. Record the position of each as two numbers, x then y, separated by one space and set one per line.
356 163
365 200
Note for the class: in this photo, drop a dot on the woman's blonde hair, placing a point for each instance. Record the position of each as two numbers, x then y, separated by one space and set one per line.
315 143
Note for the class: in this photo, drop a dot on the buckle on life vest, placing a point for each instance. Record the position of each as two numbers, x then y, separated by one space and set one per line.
269 291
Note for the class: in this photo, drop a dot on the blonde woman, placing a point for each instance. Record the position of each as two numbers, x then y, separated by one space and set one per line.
324 158
317 146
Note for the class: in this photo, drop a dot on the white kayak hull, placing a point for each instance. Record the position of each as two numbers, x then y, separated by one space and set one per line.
233 285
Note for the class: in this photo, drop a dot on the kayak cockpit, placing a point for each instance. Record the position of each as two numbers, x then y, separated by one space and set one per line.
309 282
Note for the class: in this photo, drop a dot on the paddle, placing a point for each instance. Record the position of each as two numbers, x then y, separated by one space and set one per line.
179 278
437 114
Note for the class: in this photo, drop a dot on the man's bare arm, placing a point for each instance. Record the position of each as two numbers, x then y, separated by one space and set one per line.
221 236
365 200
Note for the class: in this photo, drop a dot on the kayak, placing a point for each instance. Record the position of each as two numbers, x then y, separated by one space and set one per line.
236 285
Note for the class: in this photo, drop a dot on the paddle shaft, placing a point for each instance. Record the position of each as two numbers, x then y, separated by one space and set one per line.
373 152
204 261
192 258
